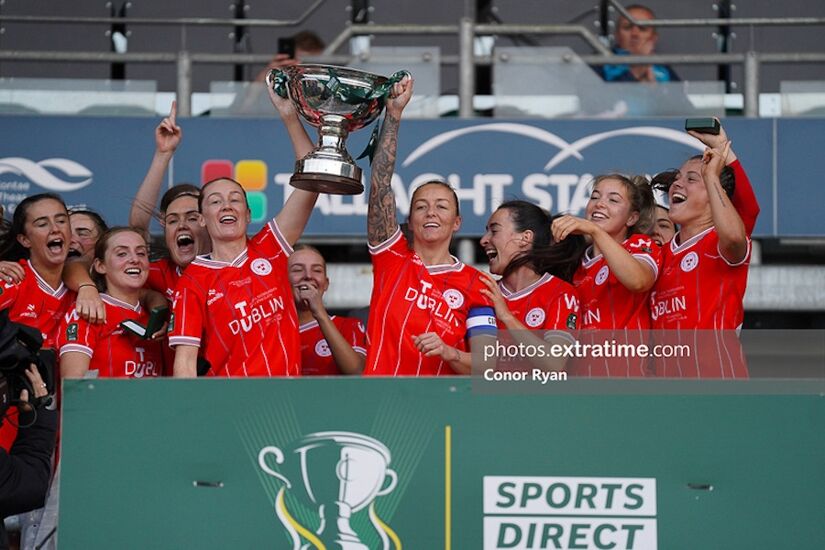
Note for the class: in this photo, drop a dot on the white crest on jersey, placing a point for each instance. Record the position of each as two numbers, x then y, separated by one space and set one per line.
689 262
602 275
454 298
261 266
322 348
535 317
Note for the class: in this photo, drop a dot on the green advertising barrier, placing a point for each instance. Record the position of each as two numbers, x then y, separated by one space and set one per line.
428 464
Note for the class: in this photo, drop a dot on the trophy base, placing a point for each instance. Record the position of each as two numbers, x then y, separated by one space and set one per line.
326 183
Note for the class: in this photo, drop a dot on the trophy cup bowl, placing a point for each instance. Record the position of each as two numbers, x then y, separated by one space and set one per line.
343 473
337 100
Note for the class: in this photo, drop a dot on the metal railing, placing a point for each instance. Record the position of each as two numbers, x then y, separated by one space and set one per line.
466 31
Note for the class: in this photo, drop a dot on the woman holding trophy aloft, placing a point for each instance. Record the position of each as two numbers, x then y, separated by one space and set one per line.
426 305
236 303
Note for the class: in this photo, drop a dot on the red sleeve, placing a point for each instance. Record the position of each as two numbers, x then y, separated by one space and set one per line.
8 295
744 199
187 322
392 252
354 332
646 251
157 276
76 335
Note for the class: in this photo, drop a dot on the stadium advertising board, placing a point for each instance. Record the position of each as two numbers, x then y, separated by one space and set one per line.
100 162
385 464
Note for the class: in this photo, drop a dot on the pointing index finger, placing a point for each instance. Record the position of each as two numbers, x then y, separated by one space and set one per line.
173 112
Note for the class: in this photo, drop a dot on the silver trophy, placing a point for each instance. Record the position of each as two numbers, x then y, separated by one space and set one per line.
342 473
337 100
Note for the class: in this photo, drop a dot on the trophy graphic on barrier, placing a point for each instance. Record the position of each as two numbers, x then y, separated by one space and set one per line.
342 473
337 100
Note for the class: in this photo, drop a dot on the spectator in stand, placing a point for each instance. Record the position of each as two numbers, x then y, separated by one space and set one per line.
631 39
329 344
253 101
618 268
121 267
235 305
535 290
427 309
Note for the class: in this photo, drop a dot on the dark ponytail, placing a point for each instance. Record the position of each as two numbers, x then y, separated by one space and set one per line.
560 259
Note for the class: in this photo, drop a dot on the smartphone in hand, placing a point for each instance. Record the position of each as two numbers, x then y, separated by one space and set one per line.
286 46
707 125
157 317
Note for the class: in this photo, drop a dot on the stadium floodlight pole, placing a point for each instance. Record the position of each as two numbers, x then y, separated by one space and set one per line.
239 36
184 88
724 37
360 15
466 68
604 19
118 38
751 92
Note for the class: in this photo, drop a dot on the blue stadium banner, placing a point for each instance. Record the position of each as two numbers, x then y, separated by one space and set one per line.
100 162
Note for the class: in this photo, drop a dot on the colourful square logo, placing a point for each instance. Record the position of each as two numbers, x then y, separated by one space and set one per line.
216 168
251 174
257 205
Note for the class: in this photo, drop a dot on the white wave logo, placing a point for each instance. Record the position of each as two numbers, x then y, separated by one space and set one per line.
566 149
41 173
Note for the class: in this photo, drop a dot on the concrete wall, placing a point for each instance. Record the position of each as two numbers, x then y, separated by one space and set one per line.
333 15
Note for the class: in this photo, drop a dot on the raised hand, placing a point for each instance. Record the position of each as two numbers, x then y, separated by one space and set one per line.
711 140
714 159
168 134
571 225
399 96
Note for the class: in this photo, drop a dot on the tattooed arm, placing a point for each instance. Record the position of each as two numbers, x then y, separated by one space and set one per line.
382 220
733 239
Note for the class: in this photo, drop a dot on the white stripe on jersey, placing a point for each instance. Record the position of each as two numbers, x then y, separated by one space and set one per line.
79 348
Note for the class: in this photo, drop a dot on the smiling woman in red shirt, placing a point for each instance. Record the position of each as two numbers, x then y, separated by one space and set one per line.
235 305
109 350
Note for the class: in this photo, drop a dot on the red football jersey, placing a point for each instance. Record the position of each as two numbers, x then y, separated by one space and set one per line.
409 298
114 352
316 356
612 313
241 313
549 304
605 302
164 275
34 303
698 290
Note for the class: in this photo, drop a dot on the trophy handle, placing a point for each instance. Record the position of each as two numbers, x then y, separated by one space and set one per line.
276 80
279 459
393 477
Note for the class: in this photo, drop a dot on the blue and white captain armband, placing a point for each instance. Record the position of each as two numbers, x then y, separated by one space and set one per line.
481 320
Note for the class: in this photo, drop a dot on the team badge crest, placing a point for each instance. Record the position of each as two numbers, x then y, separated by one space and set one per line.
602 275
689 262
71 332
454 298
261 266
322 348
535 317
